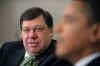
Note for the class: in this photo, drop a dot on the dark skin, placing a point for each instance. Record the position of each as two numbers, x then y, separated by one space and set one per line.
78 39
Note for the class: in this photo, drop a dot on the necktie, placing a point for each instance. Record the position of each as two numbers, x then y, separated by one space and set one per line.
30 61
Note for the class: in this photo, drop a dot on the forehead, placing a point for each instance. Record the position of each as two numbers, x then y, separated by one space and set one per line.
37 21
75 7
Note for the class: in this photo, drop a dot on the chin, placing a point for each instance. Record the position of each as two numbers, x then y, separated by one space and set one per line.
60 53
34 53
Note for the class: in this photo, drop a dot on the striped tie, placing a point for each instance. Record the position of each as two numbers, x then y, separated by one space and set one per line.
29 61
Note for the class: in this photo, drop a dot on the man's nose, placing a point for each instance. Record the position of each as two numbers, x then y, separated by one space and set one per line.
33 34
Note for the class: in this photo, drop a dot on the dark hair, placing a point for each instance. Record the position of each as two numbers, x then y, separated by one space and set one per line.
33 13
93 9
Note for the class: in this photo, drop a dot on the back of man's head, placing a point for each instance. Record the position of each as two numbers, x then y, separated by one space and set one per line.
94 8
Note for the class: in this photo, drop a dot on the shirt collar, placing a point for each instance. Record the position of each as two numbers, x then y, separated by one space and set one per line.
86 60
26 54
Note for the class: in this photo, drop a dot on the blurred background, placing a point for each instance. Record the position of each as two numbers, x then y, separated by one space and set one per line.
10 11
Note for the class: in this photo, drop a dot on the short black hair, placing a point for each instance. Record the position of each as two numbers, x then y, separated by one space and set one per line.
33 13
94 9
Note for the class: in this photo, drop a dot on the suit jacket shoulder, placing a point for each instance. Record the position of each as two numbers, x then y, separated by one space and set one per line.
11 53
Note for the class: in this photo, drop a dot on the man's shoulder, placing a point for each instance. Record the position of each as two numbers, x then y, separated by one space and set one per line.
12 44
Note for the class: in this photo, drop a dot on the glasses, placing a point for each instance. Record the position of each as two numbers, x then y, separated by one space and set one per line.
35 29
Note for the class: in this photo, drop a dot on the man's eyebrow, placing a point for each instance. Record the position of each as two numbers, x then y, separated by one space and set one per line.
68 16
25 27
39 25
33 26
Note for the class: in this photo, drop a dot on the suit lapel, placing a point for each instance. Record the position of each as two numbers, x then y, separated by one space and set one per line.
18 57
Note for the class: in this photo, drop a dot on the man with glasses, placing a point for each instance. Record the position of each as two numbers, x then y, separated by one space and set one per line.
36 27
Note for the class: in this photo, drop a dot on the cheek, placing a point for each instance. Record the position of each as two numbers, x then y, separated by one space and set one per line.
24 38
43 36
73 37
76 38
69 34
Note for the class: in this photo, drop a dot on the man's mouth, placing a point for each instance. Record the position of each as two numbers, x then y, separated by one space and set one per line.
33 42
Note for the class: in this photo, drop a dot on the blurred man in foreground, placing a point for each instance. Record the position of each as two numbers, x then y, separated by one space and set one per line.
79 33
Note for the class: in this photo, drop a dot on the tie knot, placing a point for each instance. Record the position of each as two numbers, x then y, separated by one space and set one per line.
28 58
29 61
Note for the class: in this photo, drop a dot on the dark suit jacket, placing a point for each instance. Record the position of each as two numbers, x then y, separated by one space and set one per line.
95 62
12 54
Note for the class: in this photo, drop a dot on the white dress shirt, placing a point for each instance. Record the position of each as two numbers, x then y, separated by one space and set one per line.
86 60
26 55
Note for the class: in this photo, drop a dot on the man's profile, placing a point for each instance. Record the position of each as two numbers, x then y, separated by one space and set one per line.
79 33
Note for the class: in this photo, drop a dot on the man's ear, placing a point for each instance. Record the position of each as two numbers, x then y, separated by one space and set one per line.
97 32
20 35
51 32
97 36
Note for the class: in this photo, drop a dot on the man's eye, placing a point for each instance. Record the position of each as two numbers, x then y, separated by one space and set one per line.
69 18
25 30
39 29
